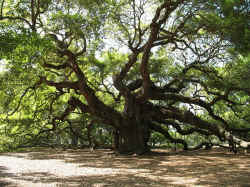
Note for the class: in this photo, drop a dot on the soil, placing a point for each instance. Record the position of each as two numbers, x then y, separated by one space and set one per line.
99 168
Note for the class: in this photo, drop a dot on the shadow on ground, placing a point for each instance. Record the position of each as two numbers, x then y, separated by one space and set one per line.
52 167
3 174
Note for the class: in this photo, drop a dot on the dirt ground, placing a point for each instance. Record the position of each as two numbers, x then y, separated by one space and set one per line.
99 168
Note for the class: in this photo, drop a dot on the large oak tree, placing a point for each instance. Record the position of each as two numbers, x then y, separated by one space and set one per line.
136 65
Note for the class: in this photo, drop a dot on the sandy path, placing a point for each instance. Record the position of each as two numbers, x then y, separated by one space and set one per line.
51 168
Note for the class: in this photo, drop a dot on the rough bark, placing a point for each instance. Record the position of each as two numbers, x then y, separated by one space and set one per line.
133 138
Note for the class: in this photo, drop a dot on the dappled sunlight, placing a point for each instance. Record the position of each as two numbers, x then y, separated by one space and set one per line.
103 168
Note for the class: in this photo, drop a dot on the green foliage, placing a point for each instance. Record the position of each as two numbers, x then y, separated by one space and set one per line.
103 27
230 20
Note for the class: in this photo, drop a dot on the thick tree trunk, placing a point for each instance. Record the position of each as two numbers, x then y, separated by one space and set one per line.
116 138
74 140
133 139
89 129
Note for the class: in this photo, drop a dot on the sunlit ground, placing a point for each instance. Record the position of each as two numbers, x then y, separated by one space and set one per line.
57 168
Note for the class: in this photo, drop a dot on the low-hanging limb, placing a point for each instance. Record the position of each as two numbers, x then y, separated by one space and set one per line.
164 132
72 105
158 128
189 100
208 145
95 105
178 128
23 95
160 113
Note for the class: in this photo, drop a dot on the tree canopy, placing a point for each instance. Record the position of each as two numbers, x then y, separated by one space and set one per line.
133 66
